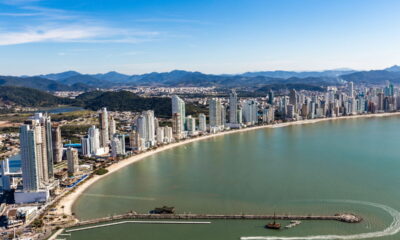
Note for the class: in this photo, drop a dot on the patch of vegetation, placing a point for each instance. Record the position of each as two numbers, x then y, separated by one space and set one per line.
196 109
38 223
73 132
101 171
68 116
15 118
9 130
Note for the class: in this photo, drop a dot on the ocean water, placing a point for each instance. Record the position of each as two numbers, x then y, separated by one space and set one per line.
324 168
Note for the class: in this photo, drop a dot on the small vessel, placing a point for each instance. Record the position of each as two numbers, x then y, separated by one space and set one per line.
274 224
293 224
163 210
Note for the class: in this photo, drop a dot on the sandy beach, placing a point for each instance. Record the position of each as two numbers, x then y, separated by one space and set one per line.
69 200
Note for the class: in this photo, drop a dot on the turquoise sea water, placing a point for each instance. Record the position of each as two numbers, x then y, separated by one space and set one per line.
323 168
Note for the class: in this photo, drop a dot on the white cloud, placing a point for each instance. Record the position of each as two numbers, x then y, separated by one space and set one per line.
19 14
41 24
88 34
18 2
170 20
47 35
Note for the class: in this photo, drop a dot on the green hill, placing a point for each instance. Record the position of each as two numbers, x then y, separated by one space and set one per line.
28 97
126 101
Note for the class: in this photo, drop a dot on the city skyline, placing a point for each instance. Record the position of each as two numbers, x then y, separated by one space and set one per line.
211 37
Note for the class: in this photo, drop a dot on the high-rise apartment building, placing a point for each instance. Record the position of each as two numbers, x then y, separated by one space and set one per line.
168 134
37 153
176 125
191 125
57 144
145 125
104 128
178 106
112 128
215 108
202 122
160 135
271 97
233 106
250 112
72 161
136 141
293 98
30 155
94 140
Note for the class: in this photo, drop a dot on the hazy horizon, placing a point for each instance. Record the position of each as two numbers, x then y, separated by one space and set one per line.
238 73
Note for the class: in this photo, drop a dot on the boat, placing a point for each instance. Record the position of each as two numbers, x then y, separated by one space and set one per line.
274 225
293 224
163 210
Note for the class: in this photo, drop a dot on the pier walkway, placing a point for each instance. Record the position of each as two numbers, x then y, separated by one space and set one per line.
344 217
138 222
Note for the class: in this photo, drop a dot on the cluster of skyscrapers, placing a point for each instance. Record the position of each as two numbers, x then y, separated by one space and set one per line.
41 143
99 140
337 102
40 149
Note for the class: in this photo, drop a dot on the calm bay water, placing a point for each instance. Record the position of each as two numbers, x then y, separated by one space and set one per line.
314 168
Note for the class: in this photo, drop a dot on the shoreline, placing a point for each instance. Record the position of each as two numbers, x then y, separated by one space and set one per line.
69 200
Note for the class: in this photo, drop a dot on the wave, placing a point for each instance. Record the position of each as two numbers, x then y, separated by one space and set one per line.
392 229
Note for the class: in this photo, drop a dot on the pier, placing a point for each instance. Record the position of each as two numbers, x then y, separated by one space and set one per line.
343 217
137 222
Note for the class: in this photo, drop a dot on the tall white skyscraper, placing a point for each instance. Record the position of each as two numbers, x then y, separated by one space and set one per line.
215 108
191 125
85 143
136 141
240 115
233 105
250 112
160 135
223 115
178 106
57 144
94 140
145 125
29 157
118 145
112 128
202 122
121 146
45 122
104 131
72 160
150 127
141 126
42 123
37 153
168 134
351 89
176 125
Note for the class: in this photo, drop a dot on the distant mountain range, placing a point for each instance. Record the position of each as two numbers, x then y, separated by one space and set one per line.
291 74
72 80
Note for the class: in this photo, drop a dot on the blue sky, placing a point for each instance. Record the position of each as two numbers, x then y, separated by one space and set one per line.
220 36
